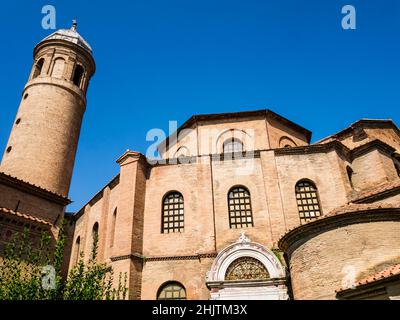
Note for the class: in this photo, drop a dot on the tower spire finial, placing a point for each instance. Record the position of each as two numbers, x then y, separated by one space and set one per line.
74 24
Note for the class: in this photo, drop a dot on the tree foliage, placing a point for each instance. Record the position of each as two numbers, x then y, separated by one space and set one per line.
33 272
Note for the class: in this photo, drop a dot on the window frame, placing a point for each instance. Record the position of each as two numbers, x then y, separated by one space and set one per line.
81 76
232 141
38 68
171 283
232 213
181 217
305 219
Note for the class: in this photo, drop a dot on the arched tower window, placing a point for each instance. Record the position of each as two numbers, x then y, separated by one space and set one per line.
246 268
239 205
307 200
114 221
38 68
172 213
58 68
171 291
78 75
77 249
233 145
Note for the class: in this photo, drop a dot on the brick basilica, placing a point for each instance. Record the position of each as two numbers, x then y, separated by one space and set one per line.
240 206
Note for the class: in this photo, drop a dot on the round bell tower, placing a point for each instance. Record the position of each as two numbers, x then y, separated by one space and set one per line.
43 142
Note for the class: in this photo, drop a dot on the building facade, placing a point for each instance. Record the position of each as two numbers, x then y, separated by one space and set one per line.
241 205
237 206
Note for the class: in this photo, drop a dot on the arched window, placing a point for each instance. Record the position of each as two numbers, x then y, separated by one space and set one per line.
233 145
396 162
307 200
78 75
77 249
113 224
58 68
171 291
286 142
95 233
246 268
172 213
349 171
182 152
239 204
38 68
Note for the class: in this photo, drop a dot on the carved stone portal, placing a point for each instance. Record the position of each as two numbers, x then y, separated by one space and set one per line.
247 270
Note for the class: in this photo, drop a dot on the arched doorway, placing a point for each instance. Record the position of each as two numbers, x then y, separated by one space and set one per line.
247 270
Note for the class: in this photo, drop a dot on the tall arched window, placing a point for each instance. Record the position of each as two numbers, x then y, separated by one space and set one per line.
171 291
78 75
113 224
77 249
58 68
239 205
95 233
172 213
233 145
307 200
349 171
38 68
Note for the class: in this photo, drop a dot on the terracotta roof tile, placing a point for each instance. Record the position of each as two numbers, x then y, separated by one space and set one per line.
352 207
7 178
24 216
342 210
387 273
382 188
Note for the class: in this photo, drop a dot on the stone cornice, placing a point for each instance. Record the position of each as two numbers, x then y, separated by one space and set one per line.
351 154
129 154
214 157
301 150
114 181
330 222
314 148
246 284
137 256
372 145
61 83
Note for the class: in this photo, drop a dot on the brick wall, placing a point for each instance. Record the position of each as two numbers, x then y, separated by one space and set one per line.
320 265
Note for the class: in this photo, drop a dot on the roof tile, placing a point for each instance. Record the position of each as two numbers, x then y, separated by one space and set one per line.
24 216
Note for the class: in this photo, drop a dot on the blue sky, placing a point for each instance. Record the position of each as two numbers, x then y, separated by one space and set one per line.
167 60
